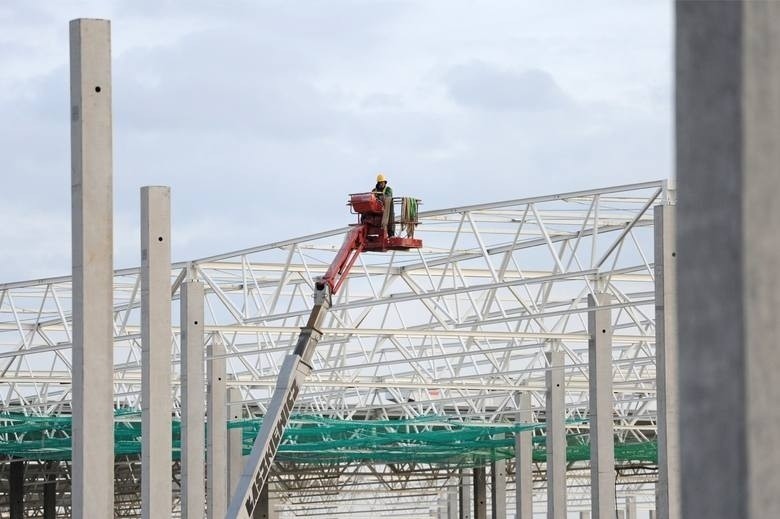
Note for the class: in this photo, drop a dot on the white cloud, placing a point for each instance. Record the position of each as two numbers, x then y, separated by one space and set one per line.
481 85
262 116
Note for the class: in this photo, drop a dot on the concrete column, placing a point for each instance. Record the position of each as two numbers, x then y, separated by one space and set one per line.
441 509
235 445
584 515
465 506
602 440
653 514
498 489
555 412
93 278
524 459
452 502
50 491
631 507
265 505
156 352
193 412
216 443
480 493
728 122
16 489
668 486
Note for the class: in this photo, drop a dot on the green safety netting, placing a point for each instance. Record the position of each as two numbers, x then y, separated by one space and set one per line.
313 439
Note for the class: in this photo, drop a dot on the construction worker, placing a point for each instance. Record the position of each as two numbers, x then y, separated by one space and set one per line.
385 193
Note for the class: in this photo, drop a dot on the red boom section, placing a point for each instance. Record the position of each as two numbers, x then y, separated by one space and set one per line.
342 263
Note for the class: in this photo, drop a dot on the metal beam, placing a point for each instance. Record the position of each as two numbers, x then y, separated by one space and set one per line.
92 241
156 403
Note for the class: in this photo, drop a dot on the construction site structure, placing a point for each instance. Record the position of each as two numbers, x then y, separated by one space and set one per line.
370 234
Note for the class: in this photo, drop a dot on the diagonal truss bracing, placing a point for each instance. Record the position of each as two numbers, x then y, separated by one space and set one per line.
455 328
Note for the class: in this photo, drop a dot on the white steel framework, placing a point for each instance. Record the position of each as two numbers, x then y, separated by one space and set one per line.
455 329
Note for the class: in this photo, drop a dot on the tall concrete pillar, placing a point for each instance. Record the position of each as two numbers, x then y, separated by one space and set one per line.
193 394
631 507
235 441
555 412
668 486
524 459
452 502
216 442
602 439
16 489
156 404
265 505
465 506
480 493
728 122
50 491
498 489
93 278
441 508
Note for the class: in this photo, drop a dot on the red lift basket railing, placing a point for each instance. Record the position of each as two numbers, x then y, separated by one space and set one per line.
370 235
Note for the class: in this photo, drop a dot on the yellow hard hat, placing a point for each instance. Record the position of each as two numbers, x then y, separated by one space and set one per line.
381 178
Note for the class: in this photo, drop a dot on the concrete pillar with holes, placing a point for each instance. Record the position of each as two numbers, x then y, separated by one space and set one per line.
668 486
602 439
16 489
465 505
452 501
524 458
555 412
193 410
50 490
235 440
265 508
480 493
156 491
498 489
93 279
216 430
631 507
728 122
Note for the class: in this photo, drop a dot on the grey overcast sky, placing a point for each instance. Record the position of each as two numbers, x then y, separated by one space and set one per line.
262 115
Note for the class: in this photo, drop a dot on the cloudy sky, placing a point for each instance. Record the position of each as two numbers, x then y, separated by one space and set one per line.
262 115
